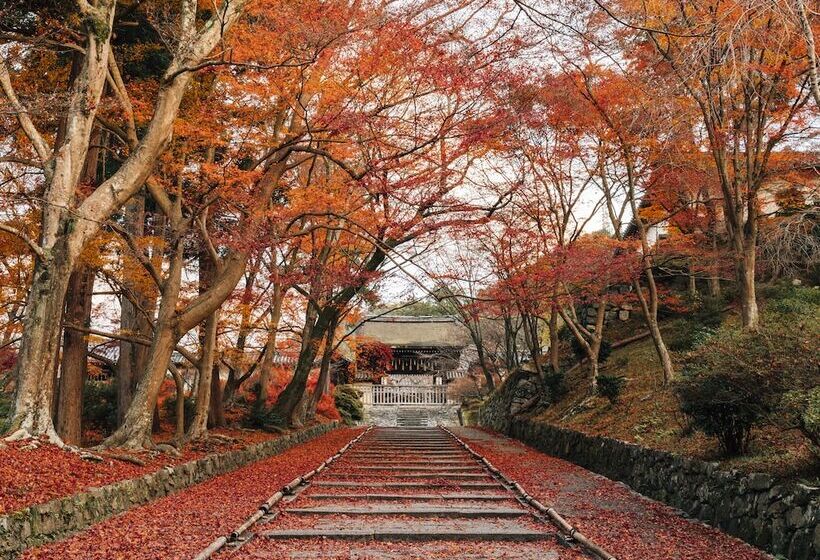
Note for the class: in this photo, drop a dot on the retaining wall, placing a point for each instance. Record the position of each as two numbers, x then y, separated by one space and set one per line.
57 519
780 518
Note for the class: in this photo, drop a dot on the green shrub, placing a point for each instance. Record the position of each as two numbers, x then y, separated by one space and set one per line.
723 405
736 379
268 420
100 406
555 384
611 386
792 300
686 334
5 411
349 403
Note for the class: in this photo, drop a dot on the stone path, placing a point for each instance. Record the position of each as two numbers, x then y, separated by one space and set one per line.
411 492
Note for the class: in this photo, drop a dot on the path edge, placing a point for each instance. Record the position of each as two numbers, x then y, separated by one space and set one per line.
57 519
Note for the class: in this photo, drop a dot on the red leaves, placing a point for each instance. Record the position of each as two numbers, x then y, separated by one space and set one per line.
33 476
180 525
621 521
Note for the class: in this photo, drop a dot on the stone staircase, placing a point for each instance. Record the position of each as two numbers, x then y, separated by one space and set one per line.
406 493
412 417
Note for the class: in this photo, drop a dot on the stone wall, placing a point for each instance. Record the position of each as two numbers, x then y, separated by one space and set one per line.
57 519
780 518
431 415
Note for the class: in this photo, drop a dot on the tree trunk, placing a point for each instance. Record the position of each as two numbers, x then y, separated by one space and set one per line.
266 367
39 345
207 344
553 327
74 368
746 279
133 357
692 280
287 406
199 423
135 432
216 414
323 382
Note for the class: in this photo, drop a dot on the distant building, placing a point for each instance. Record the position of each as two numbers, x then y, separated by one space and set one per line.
428 352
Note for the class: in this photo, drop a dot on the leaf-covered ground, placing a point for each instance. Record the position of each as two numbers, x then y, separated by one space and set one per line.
34 472
624 523
180 525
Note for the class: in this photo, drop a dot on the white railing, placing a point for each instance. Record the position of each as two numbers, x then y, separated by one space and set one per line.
407 395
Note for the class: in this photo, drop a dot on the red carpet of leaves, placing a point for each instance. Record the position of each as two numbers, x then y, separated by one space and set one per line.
180 525
627 525
33 476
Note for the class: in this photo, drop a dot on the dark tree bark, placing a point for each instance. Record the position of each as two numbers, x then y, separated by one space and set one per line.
74 364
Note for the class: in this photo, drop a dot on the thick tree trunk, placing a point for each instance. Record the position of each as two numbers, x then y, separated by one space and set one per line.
74 366
288 405
39 345
216 413
323 382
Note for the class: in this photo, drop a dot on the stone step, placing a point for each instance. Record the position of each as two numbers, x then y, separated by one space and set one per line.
416 533
401 461
442 474
414 468
412 510
391 497
363 484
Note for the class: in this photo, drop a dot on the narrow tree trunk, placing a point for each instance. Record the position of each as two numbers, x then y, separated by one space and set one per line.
74 367
746 279
135 431
133 357
323 382
199 423
287 406
553 327
692 280
207 338
266 366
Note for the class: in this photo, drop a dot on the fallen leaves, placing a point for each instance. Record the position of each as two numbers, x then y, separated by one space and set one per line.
621 521
180 525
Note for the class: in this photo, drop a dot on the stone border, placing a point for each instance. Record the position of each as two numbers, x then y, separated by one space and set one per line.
42 523
780 518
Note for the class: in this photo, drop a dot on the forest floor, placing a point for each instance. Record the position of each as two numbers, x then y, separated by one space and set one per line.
647 413
33 472
180 525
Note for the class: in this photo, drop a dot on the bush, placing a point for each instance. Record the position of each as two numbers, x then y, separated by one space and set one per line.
555 382
349 403
736 380
687 334
786 299
611 386
100 406
723 405
267 419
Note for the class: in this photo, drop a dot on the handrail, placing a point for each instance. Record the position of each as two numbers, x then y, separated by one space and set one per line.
409 395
